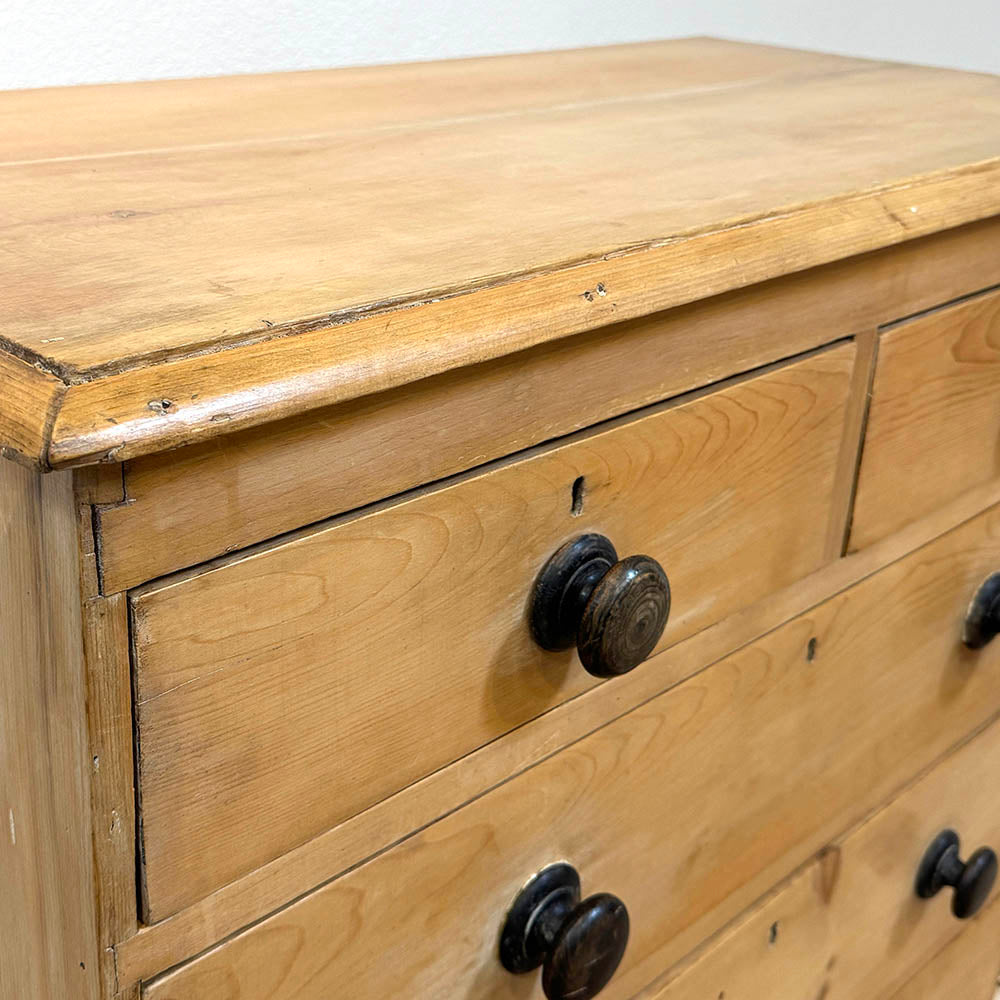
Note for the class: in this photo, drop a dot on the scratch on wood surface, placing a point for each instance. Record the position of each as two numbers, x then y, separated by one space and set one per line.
895 218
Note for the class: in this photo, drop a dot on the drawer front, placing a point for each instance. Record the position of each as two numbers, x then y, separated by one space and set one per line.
191 504
968 967
286 691
688 808
934 422
850 924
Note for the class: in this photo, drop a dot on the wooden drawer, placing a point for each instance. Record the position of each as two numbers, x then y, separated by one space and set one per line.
178 508
850 925
967 967
287 690
934 423
688 808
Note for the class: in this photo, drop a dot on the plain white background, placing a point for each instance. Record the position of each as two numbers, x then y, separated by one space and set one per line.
88 41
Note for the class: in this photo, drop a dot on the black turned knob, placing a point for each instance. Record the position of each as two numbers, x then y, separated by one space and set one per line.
580 944
614 611
972 880
982 620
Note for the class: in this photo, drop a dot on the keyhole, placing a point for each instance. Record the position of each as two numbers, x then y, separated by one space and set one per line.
576 507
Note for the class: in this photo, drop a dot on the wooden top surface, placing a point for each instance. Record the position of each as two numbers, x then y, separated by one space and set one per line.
179 259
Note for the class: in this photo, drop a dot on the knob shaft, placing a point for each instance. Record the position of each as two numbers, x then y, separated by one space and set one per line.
613 610
982 620
972 880
579 944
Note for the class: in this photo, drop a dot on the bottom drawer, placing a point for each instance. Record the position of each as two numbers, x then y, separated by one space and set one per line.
851 925
688 808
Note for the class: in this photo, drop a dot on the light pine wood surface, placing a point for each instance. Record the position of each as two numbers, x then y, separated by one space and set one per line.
197 927
112 786
967 967
850 924
743 773
48 939
28 403
494 195
260 108
934 421
259 684
845 475
191 399
110 735
187 286
339 353
781 948
182 507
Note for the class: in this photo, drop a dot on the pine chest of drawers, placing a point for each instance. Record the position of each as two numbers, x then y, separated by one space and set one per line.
506 528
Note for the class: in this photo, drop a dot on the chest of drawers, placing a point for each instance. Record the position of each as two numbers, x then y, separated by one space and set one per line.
506 528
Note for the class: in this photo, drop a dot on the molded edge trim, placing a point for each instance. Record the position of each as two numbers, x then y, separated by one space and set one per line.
189 399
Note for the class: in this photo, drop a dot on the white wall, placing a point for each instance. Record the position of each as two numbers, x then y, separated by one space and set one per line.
44 42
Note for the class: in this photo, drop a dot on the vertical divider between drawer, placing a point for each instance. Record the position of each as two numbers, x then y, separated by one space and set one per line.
852 446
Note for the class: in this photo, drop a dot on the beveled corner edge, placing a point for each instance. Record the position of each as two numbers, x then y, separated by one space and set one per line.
29 402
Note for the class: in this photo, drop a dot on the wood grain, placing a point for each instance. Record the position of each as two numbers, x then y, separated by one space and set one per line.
110 774
112 797
742 773
166 252
780 949
850 924
934 424
259 684
968 966
249 899
136 281
128 119
846 477
117 417
189 505
28 405
98 485
907 929
48 941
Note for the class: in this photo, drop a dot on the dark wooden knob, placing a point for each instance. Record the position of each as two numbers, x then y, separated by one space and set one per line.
613 610
982 620
972 880
578 943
